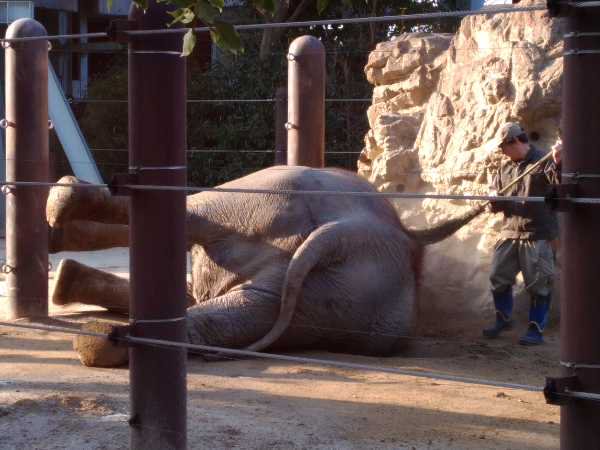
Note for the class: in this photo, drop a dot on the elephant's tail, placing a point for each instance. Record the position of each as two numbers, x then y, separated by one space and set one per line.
439 232
321 246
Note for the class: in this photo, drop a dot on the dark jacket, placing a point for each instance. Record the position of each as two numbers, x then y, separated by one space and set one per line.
527 220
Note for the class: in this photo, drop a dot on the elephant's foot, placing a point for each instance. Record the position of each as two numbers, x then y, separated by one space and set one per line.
81 235
99 351
66 203
78 283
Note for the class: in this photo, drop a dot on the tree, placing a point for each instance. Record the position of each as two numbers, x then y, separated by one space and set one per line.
192 13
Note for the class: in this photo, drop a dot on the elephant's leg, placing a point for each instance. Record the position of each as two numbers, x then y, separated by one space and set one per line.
67 203
81 235
78 283
234 320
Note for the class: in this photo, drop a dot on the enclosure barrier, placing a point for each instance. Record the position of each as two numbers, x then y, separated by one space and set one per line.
157 143
27 142
157 176
580 243
306 103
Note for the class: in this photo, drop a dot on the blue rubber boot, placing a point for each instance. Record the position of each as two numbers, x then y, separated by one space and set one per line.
503 301
538 318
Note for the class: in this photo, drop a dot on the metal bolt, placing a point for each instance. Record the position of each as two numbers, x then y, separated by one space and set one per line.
6 269
6 189
6 123
50 125
291 57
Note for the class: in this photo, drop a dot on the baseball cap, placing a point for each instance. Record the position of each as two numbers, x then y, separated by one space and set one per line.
508 133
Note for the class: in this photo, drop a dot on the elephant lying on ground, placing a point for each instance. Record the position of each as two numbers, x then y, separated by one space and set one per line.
269 271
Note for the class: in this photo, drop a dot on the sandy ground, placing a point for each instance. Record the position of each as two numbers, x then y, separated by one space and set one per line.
48 400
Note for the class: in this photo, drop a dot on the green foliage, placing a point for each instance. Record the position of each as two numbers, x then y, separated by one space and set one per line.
226 37
250 126
193 12
232 126
189 42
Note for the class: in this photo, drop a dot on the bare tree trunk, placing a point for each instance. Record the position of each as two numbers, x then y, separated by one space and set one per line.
281 15
347 94
372 25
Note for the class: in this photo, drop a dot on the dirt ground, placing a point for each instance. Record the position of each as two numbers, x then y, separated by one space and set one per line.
48 400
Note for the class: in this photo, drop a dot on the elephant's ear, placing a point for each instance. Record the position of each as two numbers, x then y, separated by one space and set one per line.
327 244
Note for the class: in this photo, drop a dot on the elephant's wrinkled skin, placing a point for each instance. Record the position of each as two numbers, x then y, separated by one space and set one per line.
281 271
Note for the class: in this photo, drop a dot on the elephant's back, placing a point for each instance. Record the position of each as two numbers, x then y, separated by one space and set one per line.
322 208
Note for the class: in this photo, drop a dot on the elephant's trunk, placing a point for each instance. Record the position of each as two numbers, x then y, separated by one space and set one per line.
320 244
441 231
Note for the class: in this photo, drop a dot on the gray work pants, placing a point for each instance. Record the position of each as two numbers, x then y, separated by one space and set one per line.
534 259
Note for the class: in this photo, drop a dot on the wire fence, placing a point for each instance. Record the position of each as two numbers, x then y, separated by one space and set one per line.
279 357
295 24
240 353
287 192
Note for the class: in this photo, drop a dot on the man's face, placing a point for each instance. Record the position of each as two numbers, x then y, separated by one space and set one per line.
515 149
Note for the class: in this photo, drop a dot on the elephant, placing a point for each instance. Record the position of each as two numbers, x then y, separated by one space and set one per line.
270 271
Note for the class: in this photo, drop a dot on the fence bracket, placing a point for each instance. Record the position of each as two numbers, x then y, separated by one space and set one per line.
562 391
559 196
556 389
119 334
117 29
119 185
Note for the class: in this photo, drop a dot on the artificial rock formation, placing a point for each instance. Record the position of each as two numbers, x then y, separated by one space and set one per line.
405 72
437 103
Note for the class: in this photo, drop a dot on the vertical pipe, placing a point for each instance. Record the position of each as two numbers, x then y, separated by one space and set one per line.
157 142
580 245
306 107
65 58
281 110
27 160
83 57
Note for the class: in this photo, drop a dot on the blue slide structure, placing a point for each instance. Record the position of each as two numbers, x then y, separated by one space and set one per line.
68 132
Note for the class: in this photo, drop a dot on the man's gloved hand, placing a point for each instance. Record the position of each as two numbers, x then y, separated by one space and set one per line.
557 152
495 207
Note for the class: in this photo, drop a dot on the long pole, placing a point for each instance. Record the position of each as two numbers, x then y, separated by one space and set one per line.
26 125
527 172
580 242
157 142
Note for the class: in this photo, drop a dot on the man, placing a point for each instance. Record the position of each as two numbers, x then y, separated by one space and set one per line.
527 232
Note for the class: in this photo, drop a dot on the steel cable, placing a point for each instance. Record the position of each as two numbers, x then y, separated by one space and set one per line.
302 24
279 357
388 195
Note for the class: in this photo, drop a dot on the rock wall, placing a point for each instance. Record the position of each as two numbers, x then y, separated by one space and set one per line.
438 101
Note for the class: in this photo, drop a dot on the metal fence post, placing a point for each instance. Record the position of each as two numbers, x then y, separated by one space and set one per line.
27 126
580 244
281 111
306 107
157 143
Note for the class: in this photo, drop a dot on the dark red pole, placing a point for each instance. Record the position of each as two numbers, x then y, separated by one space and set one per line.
306 107
281 112
26 160
580 240
157 142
